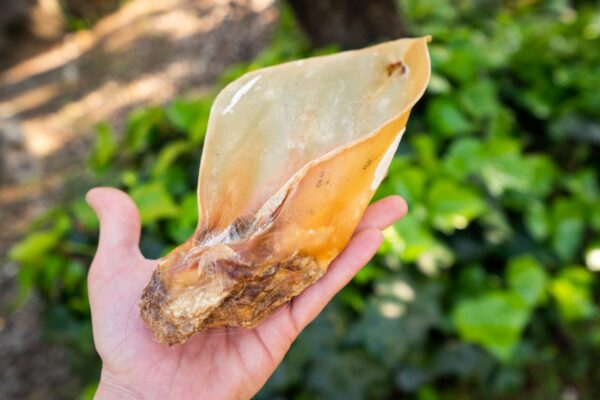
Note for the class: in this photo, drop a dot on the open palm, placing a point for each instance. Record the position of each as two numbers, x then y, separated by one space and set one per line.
230 363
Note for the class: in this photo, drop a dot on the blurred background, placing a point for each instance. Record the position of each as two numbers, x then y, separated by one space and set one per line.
487 289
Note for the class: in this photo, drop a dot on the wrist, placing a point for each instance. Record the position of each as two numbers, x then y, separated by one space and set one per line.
113 388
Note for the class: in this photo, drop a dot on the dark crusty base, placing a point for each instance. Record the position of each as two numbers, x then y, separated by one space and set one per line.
154 297
255 293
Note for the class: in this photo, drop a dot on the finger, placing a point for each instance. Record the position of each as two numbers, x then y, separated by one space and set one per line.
383 213
359 251
119 223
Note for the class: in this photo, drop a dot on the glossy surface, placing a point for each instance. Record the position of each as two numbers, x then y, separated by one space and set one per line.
293 155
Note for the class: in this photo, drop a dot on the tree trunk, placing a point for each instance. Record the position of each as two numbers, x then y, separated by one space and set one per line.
26 26
14 15
349 23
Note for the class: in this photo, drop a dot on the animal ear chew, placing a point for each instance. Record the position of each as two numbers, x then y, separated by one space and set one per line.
292 157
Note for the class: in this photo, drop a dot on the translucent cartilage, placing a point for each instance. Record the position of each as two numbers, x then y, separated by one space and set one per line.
292 157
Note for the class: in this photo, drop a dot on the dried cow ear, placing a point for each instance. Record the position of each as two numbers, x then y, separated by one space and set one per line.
292 157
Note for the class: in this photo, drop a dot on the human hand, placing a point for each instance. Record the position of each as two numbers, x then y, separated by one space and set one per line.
230 363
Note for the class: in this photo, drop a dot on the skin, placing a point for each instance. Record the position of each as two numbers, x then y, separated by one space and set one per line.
226 364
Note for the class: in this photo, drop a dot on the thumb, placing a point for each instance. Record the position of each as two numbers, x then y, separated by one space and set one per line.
119 223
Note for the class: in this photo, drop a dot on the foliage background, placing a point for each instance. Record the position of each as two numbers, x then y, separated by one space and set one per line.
488 288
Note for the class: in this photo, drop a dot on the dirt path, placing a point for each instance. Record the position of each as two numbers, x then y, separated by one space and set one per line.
146 53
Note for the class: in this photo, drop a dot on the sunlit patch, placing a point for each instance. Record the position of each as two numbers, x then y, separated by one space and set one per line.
259 5
432 260
459 221
568 15
392 237
31 99
391 310
592 31
403 291
592 259
427 263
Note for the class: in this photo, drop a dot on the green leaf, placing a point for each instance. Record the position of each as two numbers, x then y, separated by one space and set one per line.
168 155
595 217
27 279
494 321
190 117
426 151
176 181
411 378
368 273
73 275
472 281
89 392
464 157
141 127
438 84
446 119
503 167
461 360
347 375
480 99
406 309
411 240
407 182
569 227
501 123
544 174
537 103
453 206
352 297
129 178
104 150
584 184
34 247
462 63
576 128
537 220
572 291
154 202
527 278
85 215
48 273
506 172
182 227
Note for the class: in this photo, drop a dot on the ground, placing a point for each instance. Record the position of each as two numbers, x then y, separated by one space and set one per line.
147 52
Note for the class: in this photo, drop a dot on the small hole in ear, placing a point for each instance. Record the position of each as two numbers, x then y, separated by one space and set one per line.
396 66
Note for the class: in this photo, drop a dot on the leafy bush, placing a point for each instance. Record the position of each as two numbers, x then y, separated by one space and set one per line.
487 288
